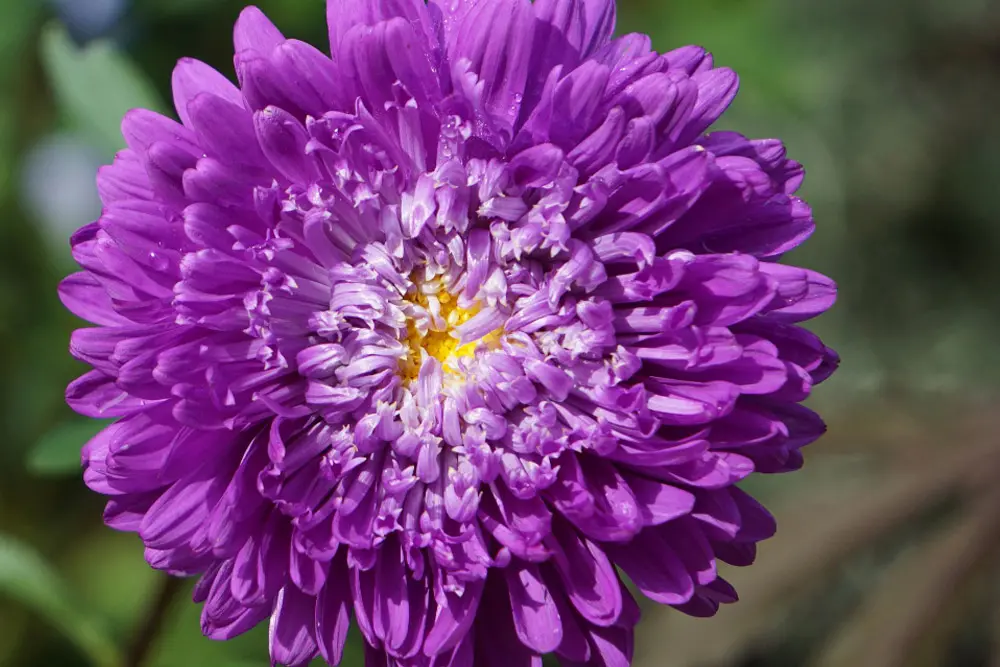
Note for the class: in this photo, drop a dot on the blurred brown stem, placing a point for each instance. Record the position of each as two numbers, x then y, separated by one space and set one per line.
152 622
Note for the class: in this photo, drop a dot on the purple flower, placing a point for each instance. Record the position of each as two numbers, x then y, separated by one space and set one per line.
441 331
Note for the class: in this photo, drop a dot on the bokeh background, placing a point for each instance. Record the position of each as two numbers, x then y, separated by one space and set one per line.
887 551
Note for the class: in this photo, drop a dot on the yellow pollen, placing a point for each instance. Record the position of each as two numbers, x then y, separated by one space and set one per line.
441 345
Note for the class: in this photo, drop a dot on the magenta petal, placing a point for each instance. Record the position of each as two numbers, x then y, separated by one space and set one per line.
126 178
226 130
716 90
801 294
183 509
586 26
223 617
574 645
654 567
588 577
659 502
96 395
291 636
497 643
192 78
454 618
495 38
255 32
342 15
83 295
613 645
142 128
692 547
536 616
392 604
333 614
756 523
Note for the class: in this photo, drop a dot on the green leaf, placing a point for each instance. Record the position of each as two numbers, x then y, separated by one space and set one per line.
58 452
27 578
95 86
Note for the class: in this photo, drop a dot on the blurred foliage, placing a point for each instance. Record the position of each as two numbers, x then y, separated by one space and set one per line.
95 86
25 577
888 539
58 451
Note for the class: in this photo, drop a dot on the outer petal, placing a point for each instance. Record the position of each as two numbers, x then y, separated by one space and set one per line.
585 25
255 32
655 568
716 90
567 32
291 637
192 77
536 615
84 296
495 37
342 15
333 619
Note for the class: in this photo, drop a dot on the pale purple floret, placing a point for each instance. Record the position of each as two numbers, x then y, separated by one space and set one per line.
306 422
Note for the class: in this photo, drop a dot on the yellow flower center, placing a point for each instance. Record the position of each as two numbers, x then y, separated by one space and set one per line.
441 345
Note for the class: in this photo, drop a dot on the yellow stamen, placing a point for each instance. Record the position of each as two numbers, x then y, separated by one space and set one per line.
441 345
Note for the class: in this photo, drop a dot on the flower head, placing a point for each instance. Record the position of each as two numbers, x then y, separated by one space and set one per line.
437 332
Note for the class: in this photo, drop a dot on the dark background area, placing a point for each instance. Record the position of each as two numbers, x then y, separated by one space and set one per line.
888 539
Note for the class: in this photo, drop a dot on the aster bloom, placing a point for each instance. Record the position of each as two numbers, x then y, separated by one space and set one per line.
446 332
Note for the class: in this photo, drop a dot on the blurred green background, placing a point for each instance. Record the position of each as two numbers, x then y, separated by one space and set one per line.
888 540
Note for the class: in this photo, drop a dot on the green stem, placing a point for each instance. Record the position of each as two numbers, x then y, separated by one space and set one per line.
152 624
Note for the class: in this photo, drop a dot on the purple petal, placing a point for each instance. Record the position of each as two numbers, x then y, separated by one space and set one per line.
333 614
192 77
84 296
291 636
495 37
589 578
453 620
342 15
255 32
658 502
654 567
536 616
716 90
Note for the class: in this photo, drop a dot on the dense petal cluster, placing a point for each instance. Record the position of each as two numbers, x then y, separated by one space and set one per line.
444 332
